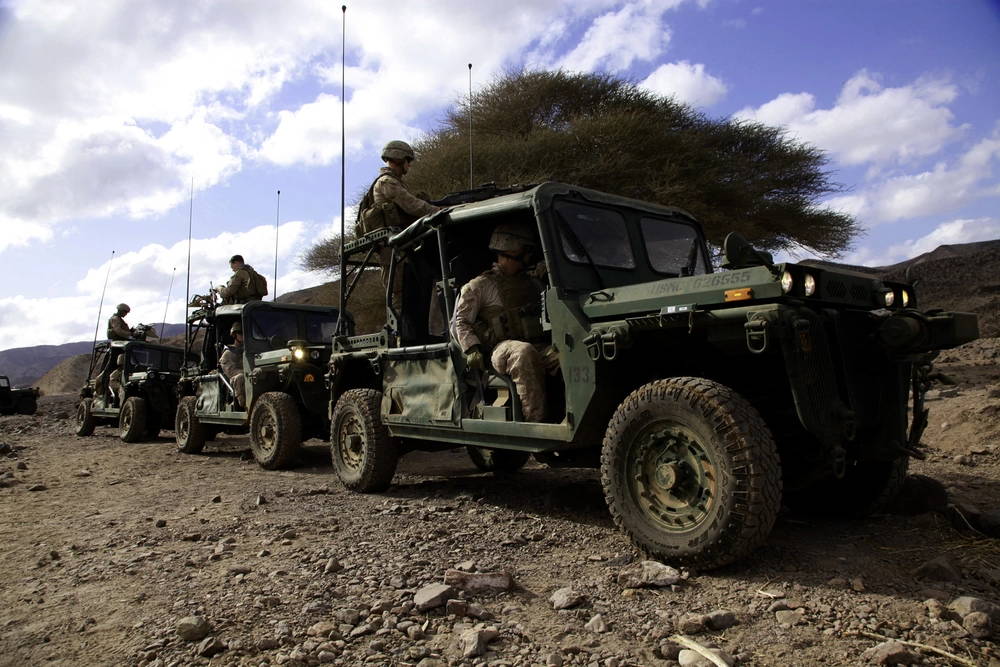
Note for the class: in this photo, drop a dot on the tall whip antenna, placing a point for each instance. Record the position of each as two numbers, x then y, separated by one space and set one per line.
187 286
163 324
100 307
470 127
277 212
343 157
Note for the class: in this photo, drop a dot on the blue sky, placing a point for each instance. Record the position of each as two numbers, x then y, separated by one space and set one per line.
108 111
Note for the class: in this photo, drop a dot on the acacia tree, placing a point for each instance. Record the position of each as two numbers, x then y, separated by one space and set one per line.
606 133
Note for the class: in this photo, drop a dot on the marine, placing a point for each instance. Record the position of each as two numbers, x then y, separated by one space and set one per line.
118 329
388 202
231 363
245 285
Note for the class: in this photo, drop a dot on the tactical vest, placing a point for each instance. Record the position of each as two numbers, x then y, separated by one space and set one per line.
372 216
518 317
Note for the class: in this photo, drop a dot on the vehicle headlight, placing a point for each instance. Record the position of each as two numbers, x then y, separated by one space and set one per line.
786 282
809 283
299 354
890 298
906 298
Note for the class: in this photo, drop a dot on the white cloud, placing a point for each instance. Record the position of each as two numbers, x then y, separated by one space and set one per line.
869 123
967 230
618 38
688 83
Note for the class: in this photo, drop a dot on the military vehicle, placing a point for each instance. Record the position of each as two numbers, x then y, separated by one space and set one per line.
22 401
285 355
148 398
705 397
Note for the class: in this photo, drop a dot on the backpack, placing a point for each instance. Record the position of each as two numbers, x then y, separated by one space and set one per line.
258 283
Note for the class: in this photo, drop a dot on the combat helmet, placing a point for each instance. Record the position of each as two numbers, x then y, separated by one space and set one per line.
123 307
512 239
237 328
397 150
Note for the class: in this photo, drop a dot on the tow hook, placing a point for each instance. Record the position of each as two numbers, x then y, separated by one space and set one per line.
606 343
756 331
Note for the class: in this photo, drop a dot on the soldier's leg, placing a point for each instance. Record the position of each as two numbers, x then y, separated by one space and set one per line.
523 363
239 389
115 383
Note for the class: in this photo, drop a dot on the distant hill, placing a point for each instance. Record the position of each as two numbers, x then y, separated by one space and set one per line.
67 377
26 365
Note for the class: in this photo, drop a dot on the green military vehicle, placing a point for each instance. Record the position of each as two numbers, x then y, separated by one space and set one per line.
285 355
23 401
147 400
705 397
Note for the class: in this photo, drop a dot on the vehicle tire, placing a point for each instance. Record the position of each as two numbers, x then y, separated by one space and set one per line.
27 406
132 419
690 472
275 430
188 431
364 454
85 420
497 461
867 487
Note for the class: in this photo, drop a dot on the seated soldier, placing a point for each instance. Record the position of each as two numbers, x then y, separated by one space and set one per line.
497 314
231 363
117 396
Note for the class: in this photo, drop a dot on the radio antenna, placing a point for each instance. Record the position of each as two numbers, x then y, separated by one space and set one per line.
277 211
470 127
163 324
187 286
100 307
343 157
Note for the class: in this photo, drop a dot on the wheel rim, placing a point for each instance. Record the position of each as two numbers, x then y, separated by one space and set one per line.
267 435
351 442
672 477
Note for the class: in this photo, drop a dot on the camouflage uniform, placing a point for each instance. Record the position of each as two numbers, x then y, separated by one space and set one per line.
231 363
115 380
494 311
118 329
240 288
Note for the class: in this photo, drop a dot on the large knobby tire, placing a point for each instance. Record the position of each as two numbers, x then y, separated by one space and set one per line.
132 420
188 431
275 430
690 472
867 487
85 421
497 461
364 454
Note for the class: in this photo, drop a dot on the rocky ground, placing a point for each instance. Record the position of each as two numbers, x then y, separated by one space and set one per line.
134 554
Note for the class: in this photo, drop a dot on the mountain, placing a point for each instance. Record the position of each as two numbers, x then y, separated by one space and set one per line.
25 365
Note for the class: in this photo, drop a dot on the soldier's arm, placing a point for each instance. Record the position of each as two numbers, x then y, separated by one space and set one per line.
392 190
239 278
119 328
466 312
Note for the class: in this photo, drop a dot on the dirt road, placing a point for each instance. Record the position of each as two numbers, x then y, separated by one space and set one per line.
108 546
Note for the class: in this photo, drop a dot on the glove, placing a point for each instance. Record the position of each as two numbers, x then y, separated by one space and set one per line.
474 358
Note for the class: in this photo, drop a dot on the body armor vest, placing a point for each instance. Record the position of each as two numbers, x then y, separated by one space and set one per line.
372 216
519 315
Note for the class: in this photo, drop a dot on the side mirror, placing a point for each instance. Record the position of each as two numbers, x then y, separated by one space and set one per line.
739 254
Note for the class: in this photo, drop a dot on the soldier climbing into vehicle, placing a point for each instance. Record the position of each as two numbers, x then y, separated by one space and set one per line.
115 381
245 285
498 314
231 363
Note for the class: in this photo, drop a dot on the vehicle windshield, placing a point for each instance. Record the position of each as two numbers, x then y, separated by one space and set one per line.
320 327
284 324
673 248
4 382
594 234
155 360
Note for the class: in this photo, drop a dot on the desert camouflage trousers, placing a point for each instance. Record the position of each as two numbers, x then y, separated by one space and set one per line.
239 384
115 385
525 365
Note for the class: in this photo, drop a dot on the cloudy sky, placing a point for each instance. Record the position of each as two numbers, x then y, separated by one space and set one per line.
109 110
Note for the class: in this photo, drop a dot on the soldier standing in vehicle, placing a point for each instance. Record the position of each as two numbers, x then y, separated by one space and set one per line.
118 329
388 202
231 363
498 314
245 285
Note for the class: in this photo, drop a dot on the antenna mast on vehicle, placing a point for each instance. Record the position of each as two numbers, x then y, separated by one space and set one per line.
277 212
471 186
100 307
343 157
163 324
187 286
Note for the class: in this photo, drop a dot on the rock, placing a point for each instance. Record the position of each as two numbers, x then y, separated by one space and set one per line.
965 605
21 465
321 629
858 585
267 644
457 607
720 619
38 487
891 653
565 598
689 658
989 523
82 473
216 499
473 642
938 569
978 624
478 611
597 624
326 657
554 659
289 535
193 628
691 624
160 523
479 582
210 646
648 573
332 565
260 500
466 566
432 596
790 617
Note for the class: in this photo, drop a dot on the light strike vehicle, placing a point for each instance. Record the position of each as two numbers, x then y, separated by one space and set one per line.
285 354
704 396
22 401
147 399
